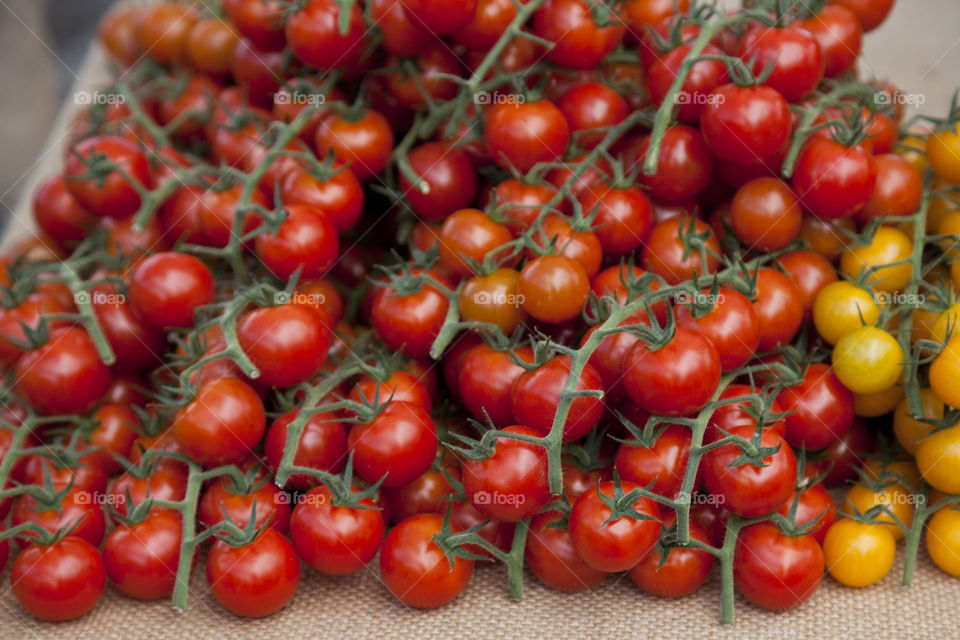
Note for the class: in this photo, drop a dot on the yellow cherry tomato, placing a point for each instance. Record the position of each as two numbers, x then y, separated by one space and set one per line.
939 207
908 430
945 326
923 321
874 405
950 226
911 149
955 274
901 471
943 154
868 360
895 496
888 246
943 540
841 307
858 554
938 458
945 373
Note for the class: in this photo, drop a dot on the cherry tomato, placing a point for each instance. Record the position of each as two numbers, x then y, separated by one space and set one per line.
684 165
222 424
264 503
486 382
363 144
288 343
579 42
410 323
820 407
677 571
553 288
779 308
774 571
449 178
115 162
745 124
536 396
870 13
766 214
666 254
166 289
551 556
834 181
141 559
398 444
522 134
884 259
814 505
793 55
256 579
663 464
314 35
731 325
858 554
868 360
622 217
57 582
322 446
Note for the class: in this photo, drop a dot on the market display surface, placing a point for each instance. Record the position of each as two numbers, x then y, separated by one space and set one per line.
639 298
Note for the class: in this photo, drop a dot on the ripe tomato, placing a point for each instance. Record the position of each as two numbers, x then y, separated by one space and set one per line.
399 443
909 431
765 214
898 189
870 13
840 36
589 106
167 287
732 326
78 510
834 181
779 308
486 382
666 255
167 481
536 396
811 272
518 203
774 571
57 582
33 309
945 371
494 299
868 360
842 307
522 134
141 559
314 35
677 571
287 343
210 45
938 458
746 489
335 540
684 165
702 78
64 375
663 464
449 176
114 431
322 446
305 240
821 408
884 259
895 496
943 151
114 162
59 215
410 323
135 345
745 124
943 539
826 237
618 545
732 414
579 42
256 579
793 55
259 20
622 217
551 556
467 237
677 379
265 502
431 492
511 484
338 193
553 288
814 504
222 424
363 144
858 554
414 568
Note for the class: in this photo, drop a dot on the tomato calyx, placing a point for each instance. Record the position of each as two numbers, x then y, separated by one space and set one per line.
622 505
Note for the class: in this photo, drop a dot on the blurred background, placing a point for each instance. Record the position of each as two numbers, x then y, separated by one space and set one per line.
43 44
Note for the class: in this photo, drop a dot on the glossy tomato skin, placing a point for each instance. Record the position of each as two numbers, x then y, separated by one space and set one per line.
592 105
792 52
731 326
511 484
618 545
222 424
113 196
814 505
821 408
314 36
414 568
306 240
748 490
779 308
704 76
765 214
61 581
666 255
834 181
898 189
79 509
663 464
677 379
486 382
579 43
141 559
554 288
840 36
288 343
58 213
399 443
684 165
774 571
450 176
536 395
166 289
623 217
870 13
520 135
551 556
682 572
429 493
745 124
135 345
265 502
410 323
363 145
29 313
63 376
335 540
168 481
256 579
322 445
811 272
736 414
338 194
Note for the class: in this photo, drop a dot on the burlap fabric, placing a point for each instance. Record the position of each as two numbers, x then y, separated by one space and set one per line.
359 606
